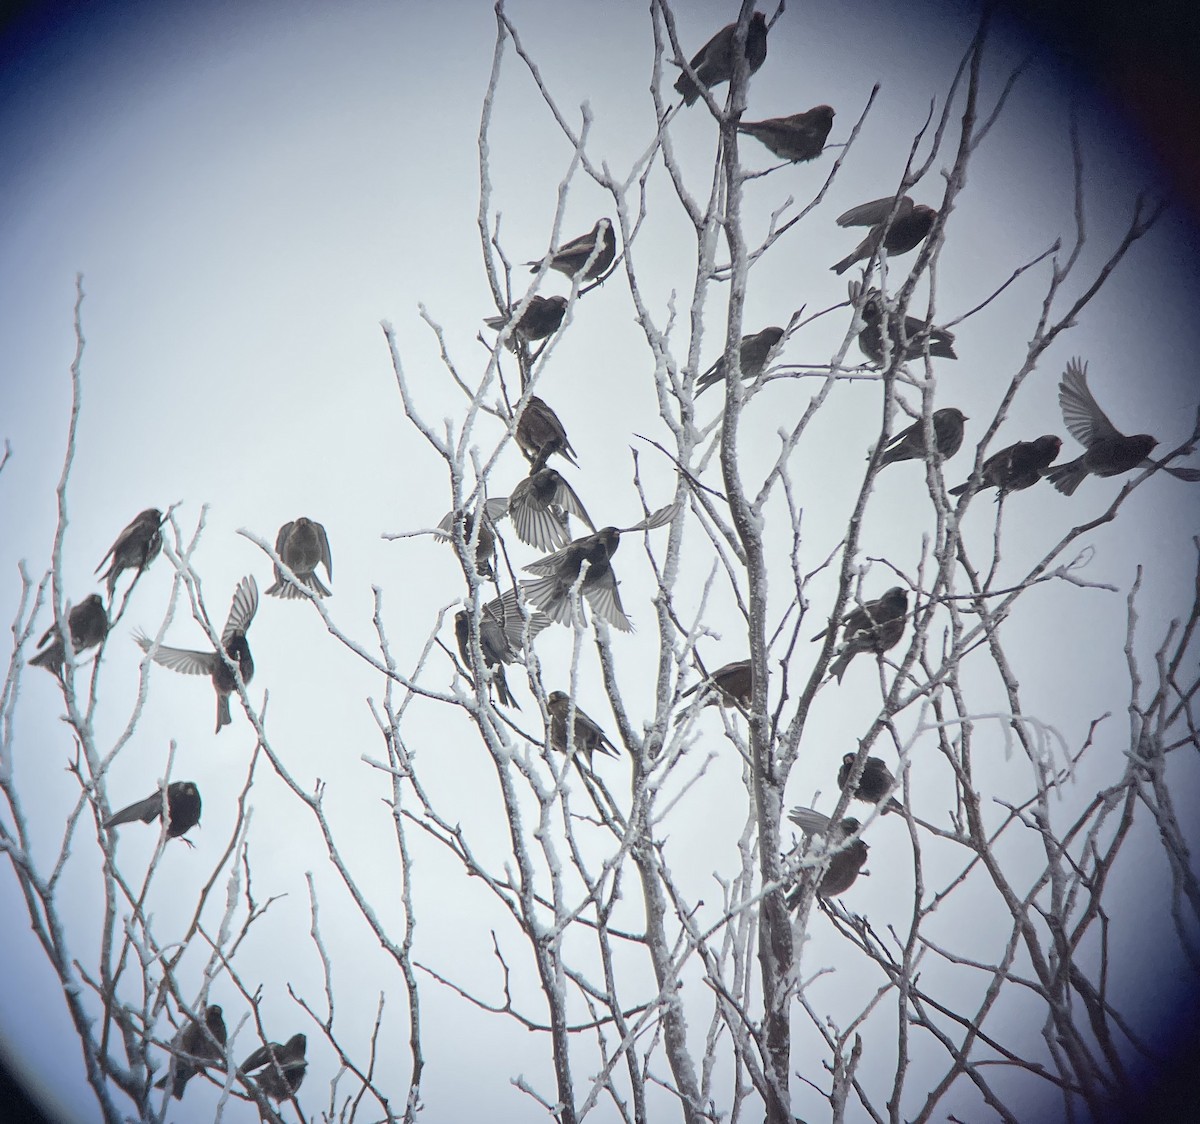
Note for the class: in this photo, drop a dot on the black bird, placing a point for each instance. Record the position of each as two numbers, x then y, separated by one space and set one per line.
540 434
539 506
571 257
88 625
797 138
493 645
183 809
280 1068
909 444
873 627
541 318
233 640
589 738
874 784
910 226
485 544
136 547
1017 467
303 545
917 333
713 63
730 685
845 863
195 1042
559 572
513 627
753 353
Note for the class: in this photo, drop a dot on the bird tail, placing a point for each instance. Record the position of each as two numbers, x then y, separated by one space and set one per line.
51 659
502 692
960 489
893 805
144 810
845 263
838 668
224 718
1067 477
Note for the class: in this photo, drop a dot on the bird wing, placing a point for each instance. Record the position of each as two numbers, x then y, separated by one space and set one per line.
183 660
549 565
655 519
809 820
565 497
549 595
281 539
536 525
605 601
875 212
1081 413
326 556
260 1057
242 610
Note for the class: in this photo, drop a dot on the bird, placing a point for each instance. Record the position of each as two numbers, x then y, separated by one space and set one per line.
713 63
233 641
753 352
539 506
909 227
485 544
571 257
540 434
183 809
560 571
541 318
1016 467
588 739
875 782
513 627
846 859
493 646
303 545
203 1043
800 137
1108 451
918 334
909 444
88 625
874 626
136 546
280 1068
730 685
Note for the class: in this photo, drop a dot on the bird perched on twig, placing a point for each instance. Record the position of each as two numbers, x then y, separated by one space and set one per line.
910 225
800 137
136 547
87 623
541 318
194 1049
909 444
280 1068
485 544
730 685
753 353
917 334
303 545
846 860
540 434
494 646
873 627
588 737
233 641
1017 467
875 782
183 809
713 63
539 506
572 256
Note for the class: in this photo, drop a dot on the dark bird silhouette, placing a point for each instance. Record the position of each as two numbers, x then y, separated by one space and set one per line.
513 627
539 506
572 256
541 318
493 646
917 334
730 685
753 353
540 434
589 738
303 545
485 544
797 138
713 63
1017 467
874 784
847 859
195 1042
909 444
233 641
136 547
910 226
88 624
280 1069
873 627
183 809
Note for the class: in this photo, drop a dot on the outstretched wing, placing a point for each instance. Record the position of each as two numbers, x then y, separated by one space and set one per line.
1081 413
183 660
241 612
605 601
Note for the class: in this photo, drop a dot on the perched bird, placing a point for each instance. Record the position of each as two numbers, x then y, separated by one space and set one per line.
588 736
572 256
183 809
730 685
197 1043
513 627
1109 451
873 627
847 859
136 547
909 444
753 353
910 225
280 1068
540 434
485 544
713 63
917 334
539 506
797 138
303 545
88 625
874 784
541 318
233 641
1017 467
493 646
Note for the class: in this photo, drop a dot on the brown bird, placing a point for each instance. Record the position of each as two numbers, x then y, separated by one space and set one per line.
485 544
713 63
493 646
572 256
233 641
909 444
910 226
874 784
588 738
183 809
195 1048
540 434
541 318
560 571
847 859
136 547
753 353
280 1068
1017 467
303 545
797 138
727 686
873 627
88 625
539 506
917 333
